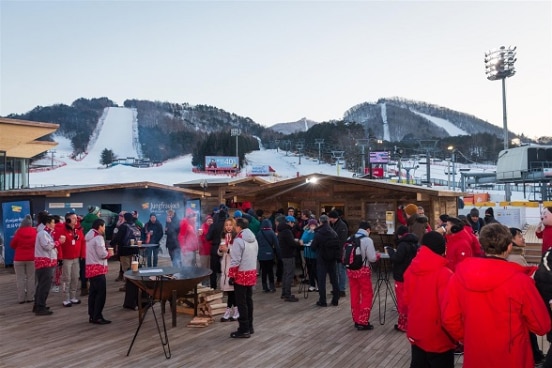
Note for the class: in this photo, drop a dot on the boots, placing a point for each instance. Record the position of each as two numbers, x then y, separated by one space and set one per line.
235 314
227 315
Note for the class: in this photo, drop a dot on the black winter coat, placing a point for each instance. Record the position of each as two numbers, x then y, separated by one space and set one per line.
326 243
403 256
286 240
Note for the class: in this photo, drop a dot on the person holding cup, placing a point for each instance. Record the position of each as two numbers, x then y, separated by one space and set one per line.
96 269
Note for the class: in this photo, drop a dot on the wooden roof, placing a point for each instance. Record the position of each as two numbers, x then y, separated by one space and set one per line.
223 181
67 190
18 137
342 184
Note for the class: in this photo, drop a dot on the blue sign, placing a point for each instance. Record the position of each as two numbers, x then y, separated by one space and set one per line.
260 170
13 214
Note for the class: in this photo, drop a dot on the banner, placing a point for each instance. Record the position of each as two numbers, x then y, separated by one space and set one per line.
260 170
221 162
13 214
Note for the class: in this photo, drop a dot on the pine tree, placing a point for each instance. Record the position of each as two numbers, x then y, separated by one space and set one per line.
107 157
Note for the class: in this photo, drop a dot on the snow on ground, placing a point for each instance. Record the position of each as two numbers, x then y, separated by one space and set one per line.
118 133
451 129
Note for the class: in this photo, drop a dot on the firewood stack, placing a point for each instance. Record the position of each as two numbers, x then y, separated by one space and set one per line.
209 304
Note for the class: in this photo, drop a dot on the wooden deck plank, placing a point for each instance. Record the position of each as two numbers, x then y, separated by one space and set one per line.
286 335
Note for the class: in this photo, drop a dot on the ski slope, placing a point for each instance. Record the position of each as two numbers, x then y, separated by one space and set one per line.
117 130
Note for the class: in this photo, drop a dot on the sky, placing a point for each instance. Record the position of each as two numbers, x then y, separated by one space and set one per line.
279 61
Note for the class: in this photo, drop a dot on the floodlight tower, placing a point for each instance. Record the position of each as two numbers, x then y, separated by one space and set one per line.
236 133
499 65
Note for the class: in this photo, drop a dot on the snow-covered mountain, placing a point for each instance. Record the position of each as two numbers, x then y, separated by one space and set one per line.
117 131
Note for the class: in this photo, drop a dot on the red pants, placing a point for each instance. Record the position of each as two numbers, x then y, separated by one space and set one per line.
360 284
402 308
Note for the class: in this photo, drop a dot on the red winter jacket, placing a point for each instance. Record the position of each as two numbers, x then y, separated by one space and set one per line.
459 247
491 305
477 251
23 243
425 282
546 236
74 246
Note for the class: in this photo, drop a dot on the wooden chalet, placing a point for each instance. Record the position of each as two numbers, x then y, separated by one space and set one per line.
373 200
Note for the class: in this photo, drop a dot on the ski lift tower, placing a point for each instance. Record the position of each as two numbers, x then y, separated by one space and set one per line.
337 155
319 142
300 145
429 148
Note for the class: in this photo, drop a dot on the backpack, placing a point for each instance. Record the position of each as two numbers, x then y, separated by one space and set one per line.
133 233
352 255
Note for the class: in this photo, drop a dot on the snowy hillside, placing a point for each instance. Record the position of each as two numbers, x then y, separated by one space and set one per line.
117 131
451 129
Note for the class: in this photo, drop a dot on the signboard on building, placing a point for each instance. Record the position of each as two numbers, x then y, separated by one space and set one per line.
379 157
13 214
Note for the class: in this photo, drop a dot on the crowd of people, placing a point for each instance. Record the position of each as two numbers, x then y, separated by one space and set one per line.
463 286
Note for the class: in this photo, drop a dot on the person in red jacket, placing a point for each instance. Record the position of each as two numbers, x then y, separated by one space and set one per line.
459 245
23 243
425 282
205 246
188 239
544 229
73 249
492 305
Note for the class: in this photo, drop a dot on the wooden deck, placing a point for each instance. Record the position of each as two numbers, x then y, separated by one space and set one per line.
286 335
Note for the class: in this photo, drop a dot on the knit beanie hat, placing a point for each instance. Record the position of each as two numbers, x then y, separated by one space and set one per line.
333 214
411 209
489 211
290 219
93 210
434 241
312 222
238 214
128 217
474 212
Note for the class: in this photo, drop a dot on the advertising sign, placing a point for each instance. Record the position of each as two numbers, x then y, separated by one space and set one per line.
379 157
260 170
14 212
221 162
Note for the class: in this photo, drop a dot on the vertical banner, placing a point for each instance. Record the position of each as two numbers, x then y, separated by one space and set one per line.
13 214
390 221
195 205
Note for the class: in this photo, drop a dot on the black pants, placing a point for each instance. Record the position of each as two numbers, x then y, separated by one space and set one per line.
311 270
424 359
214 264
43 277
96 297
267 274
82 268
279 270
327 268
244 301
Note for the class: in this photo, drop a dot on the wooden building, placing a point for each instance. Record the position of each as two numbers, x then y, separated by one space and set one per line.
359 199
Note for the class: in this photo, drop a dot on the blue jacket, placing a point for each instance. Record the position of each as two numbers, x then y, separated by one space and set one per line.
307 238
